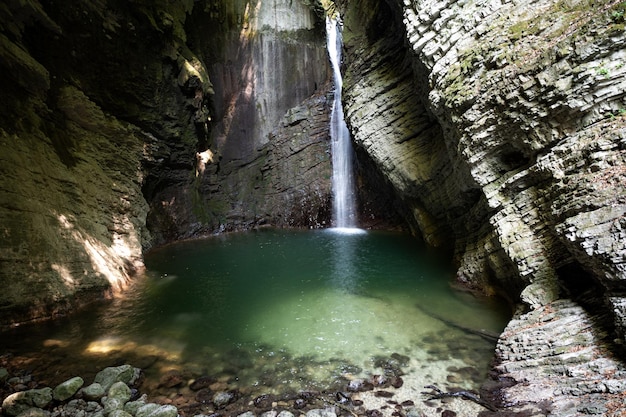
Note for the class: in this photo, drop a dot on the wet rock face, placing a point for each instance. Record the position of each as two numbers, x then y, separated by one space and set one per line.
87 90
285 182
264 59
264 159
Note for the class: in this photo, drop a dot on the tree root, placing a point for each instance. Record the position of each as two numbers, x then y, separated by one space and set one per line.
485 334
340 396
437 394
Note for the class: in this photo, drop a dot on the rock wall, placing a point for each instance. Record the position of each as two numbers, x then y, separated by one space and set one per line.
72 212
265 158
502 128
124 125
504 138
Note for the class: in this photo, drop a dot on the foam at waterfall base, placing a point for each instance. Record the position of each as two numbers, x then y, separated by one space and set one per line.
347 230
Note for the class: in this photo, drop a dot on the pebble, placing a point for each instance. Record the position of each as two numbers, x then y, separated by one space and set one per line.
223 398
4 375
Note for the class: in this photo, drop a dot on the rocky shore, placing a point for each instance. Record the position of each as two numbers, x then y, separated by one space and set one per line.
112 393
122 391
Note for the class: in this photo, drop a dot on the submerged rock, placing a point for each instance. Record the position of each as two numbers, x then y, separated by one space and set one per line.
357 385
156 410
204 396
171 379
264 401
4 375
223 398
201 383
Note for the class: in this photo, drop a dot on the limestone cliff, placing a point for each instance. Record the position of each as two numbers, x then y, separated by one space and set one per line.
502 126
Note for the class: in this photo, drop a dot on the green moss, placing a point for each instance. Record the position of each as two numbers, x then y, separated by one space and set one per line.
524 28
459 90
208 212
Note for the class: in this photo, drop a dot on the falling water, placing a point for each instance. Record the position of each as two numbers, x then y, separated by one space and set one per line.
342 153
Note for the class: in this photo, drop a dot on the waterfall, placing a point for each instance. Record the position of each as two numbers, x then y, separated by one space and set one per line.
344 212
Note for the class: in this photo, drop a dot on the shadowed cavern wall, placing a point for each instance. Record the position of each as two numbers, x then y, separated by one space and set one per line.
128 124
502 128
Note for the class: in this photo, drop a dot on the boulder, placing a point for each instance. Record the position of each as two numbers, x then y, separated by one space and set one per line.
67 389
94 391
131 407
120 391
20 402
124 373
112 404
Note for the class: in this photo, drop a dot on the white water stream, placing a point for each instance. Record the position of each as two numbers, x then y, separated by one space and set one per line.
344 212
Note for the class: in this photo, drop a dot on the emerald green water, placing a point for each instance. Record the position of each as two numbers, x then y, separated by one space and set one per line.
292 310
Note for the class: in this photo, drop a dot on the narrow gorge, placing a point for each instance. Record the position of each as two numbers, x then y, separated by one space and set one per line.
494 131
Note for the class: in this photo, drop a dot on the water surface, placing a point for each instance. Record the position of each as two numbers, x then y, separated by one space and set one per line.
280 310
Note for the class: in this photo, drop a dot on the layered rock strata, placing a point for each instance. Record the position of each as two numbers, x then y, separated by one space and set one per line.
554 360
505 138
502 129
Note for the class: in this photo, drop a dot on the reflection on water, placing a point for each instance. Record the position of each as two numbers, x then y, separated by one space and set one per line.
343 257
282 310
